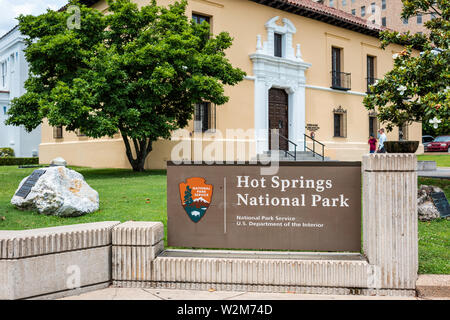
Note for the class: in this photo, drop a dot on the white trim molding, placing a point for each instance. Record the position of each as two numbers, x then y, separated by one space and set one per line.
286 72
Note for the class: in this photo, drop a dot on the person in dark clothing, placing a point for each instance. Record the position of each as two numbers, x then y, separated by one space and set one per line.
372 144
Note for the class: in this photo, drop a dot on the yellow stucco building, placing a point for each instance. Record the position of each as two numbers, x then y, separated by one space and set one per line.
308 68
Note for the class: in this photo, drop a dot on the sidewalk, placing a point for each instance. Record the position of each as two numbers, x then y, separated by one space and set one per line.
429 287
440 172
173 294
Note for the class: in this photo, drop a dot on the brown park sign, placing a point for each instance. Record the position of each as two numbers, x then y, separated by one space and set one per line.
312 206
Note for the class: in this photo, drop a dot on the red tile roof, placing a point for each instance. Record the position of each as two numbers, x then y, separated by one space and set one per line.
317 11
314 10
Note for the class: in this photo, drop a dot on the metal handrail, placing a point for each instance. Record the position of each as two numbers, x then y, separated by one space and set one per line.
314 147
341 80
287 152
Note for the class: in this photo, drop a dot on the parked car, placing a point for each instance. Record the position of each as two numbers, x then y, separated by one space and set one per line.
441 144
426 141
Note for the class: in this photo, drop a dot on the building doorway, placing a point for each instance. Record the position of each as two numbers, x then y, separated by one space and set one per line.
278 116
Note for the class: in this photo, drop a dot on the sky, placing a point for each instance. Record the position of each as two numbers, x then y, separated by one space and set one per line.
10 9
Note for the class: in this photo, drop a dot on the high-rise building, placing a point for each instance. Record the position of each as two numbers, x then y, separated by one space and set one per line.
382 12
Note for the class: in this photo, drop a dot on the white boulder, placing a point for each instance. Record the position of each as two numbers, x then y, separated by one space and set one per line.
61 192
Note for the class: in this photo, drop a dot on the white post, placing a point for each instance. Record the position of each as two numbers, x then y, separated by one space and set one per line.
390 218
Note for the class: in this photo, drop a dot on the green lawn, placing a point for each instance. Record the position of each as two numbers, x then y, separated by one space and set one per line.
123 197
434 237
124 194
442 160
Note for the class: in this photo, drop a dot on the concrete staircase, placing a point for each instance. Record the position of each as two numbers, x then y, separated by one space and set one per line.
300 156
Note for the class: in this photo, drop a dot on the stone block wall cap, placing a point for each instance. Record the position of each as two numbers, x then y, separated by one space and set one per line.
401 162
27 243
138 224
33 233
138 233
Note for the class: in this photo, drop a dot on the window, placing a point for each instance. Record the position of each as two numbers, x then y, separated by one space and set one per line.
278 45
383 4
340 122
403 132
5 109
373 125
344 3
354 12
4 71
204 117
383 21
419 18
57 132
336 59
372 5
331 3
371 72
339 80
363 11
370 67
405 21
433 16
200 18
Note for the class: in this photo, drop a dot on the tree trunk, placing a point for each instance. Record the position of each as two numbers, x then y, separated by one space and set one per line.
142 149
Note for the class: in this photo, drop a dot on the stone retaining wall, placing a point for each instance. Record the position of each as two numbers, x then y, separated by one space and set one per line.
47 262
59 261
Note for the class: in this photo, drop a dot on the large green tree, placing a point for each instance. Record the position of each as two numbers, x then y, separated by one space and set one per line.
418 86
137 71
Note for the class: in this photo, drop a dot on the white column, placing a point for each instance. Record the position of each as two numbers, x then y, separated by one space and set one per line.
260 116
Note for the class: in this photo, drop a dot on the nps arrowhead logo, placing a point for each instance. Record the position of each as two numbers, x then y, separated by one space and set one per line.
195 197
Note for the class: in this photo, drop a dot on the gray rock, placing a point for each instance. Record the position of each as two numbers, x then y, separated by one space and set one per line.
58 162
426 209
61 192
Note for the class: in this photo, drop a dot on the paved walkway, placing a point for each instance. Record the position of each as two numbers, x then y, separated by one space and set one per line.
440 172
172 294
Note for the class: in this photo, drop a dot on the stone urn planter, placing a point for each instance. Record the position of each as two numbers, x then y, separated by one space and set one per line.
401 146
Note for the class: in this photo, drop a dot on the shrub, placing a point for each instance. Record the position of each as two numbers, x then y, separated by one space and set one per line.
6 153
18 161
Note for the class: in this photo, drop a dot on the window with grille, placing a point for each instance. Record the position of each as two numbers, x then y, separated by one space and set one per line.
363 11
205 117
58 132
340 122
403 132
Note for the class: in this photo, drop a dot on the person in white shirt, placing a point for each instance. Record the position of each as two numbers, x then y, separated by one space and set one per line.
381 141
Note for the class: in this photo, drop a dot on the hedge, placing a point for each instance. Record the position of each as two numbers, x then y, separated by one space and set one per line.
18 161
